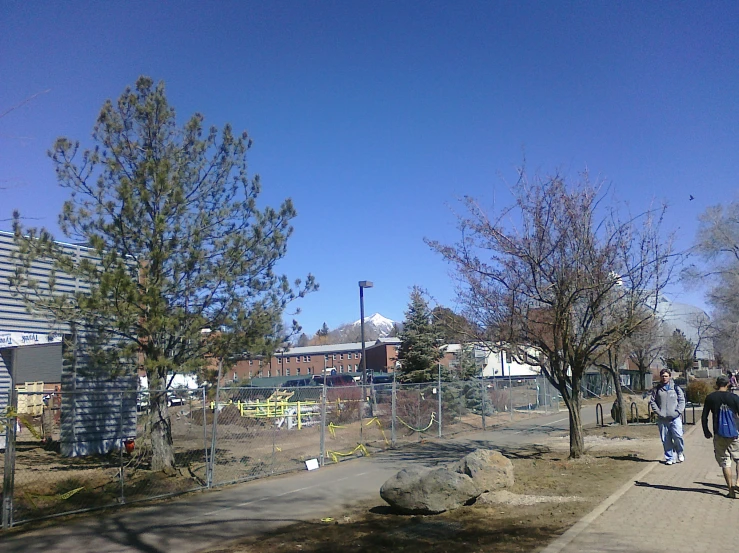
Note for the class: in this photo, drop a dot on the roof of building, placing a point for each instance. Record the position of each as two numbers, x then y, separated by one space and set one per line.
318 350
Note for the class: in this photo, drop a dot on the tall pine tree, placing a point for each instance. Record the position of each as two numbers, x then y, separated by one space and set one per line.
178 242
420 341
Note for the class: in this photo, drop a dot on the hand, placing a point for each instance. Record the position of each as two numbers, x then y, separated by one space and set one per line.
708 435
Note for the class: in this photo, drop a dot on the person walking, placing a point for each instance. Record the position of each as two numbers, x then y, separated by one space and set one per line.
725 408
668 402
732 381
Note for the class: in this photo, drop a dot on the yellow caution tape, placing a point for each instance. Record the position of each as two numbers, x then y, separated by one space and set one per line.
376 421
11 413
332 429
327 519
432 421
336 454
62 496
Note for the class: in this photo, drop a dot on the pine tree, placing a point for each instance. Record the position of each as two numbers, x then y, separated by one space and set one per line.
420 342
178 246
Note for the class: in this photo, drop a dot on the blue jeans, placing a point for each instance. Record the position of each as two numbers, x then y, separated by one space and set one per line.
671 433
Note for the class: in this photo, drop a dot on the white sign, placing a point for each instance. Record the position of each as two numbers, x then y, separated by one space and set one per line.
311 464
17 339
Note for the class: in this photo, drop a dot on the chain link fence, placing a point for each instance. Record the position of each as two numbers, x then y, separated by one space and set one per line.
82 452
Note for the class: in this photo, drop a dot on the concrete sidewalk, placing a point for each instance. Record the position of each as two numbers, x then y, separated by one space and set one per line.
671 509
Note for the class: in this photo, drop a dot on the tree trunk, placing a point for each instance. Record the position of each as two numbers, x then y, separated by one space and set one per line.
642 378
621 411
162 452
572 401
577 442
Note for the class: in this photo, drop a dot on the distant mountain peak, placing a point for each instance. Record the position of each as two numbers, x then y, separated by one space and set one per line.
381 324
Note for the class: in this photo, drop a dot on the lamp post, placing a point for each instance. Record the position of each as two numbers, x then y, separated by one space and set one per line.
362 285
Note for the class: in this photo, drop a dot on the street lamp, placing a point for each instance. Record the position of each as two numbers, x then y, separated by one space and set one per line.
362 285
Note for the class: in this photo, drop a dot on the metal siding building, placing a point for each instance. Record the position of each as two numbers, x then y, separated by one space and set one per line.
15 317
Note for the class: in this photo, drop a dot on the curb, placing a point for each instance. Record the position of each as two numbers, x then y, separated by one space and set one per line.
575 530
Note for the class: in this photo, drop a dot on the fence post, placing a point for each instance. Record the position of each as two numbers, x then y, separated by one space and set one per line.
393 404
482 401
322 439
121 446
438 414
274 436
215 426
418 411
10 435
205 440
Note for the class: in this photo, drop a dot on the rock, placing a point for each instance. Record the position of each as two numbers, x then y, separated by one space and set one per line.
642 407
490 470
428 491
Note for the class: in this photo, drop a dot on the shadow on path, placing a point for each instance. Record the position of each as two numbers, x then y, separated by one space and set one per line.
678 488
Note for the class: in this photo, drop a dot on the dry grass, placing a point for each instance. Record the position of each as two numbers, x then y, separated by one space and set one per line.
518 525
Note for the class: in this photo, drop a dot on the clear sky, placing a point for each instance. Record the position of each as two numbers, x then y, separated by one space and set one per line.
376 117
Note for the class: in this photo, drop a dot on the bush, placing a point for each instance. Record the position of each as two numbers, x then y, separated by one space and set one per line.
697 391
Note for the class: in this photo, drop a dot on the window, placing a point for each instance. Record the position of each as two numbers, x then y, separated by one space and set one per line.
356 356
310 370
249 374
333 357
341 368
269 374
307 357
356 368
326 357
341 356
287 372
287 359
251 362
279 360
297 371
508 358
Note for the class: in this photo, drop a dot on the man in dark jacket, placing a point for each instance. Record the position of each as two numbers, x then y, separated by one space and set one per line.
668 402
725 448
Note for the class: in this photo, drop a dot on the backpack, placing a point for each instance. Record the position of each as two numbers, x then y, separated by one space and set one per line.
726 423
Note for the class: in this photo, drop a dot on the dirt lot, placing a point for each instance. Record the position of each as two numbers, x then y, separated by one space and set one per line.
550 494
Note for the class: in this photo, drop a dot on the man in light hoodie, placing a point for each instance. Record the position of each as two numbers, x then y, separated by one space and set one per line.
668 402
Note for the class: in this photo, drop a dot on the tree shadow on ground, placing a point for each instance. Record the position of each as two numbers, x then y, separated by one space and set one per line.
678 488
435 453
632 458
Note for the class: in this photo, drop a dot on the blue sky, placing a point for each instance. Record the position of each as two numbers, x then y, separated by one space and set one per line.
375 117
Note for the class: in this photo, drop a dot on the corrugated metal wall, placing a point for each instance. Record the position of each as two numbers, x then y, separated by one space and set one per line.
14 317
97 413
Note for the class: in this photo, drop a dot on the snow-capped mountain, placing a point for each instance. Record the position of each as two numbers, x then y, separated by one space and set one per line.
382 325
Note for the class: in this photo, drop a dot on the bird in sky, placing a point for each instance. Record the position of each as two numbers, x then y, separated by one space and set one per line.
691 198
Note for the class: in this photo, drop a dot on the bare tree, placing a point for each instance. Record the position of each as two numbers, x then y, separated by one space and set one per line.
544 276
717 244
644 347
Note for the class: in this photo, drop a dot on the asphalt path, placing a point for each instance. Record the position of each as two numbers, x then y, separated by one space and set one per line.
209 520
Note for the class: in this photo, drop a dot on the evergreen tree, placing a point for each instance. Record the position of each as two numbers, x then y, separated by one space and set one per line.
680 352
178 246
420 342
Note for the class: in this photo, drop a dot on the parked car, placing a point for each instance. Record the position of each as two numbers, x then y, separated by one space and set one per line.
336 380
298 382
174 399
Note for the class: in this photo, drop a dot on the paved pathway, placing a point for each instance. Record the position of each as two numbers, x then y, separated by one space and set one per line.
671 509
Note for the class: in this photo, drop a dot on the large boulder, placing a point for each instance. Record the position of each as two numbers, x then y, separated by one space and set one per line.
642 408
428 491
490 470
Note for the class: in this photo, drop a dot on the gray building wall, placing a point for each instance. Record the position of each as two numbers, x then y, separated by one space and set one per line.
15 317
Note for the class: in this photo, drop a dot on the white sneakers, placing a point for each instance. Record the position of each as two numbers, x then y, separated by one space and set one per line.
680 459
